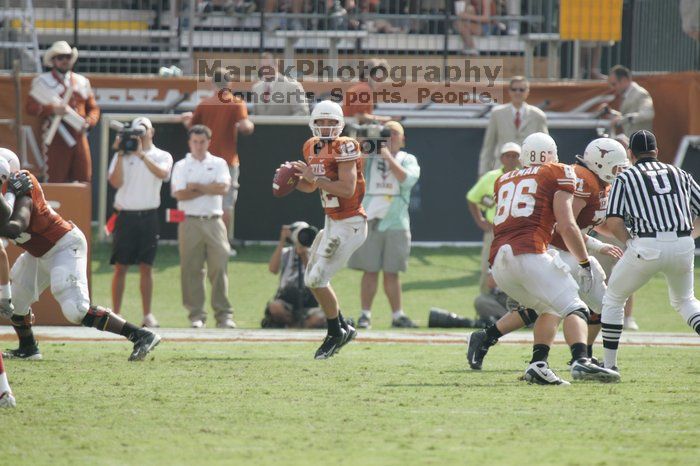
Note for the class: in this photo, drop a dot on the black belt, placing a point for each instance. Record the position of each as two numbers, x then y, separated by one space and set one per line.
653 234
203 217
138 213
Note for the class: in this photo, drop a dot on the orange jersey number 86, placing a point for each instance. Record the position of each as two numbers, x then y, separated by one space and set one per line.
516 200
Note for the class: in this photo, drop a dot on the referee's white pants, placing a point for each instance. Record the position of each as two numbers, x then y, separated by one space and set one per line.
644 257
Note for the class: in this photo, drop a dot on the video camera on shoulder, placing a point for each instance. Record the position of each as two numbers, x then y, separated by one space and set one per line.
129 142
302 234
370 131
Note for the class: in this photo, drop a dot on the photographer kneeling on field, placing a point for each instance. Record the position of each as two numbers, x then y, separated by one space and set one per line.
293 305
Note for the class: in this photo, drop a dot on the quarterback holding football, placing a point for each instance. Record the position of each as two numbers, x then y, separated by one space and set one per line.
332 166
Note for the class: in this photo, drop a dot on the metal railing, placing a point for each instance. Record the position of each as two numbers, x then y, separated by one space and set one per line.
141 36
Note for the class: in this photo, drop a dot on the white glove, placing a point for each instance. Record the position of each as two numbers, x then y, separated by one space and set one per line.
6 308
585 278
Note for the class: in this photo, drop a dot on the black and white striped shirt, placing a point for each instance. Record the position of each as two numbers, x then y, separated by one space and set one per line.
656 197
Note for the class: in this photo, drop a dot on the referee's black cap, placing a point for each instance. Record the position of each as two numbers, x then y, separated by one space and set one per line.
642 141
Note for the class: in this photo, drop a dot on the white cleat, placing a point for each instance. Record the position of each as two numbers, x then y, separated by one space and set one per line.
584 369
7 400
197 324
539 373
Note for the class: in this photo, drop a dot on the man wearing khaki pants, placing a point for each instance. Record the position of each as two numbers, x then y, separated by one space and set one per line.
199 182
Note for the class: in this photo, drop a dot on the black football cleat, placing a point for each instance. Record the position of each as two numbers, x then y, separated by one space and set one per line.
350 334
479 345
331 344
29 353
403 322
145 343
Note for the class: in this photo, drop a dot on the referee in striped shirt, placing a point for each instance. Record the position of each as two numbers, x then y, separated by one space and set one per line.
661 201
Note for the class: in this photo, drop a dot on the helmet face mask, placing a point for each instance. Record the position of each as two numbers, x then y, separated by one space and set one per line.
538 149
327 121
606 158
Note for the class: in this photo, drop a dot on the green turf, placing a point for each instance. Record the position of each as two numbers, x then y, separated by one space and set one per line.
444 277
379 404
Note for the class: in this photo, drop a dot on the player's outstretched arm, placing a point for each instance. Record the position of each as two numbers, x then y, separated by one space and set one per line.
20 219
618 228
566 225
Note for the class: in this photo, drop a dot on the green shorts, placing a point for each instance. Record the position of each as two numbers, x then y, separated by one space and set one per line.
387 251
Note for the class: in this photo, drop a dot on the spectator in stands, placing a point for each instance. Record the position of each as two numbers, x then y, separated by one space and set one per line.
690 18
636 108
511 122
66 151
482 207
275 94
227 117
199 183
293 305
291 6
390 176
137 177
475 20
358 100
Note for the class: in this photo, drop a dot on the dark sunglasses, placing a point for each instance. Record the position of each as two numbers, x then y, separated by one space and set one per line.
518 89
63 57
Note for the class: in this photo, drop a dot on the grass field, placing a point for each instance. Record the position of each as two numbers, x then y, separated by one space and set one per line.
373 404
443 277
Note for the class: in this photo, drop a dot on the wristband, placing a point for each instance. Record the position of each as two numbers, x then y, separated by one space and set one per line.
586 264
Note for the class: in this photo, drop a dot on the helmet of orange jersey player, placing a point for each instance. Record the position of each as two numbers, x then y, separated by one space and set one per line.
4 170
605 157
538 149
11 158
327 110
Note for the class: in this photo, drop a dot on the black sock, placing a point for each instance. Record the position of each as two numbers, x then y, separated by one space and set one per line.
539 353
579 351
493 333
333 326
130 331
590 351
343 324
24 332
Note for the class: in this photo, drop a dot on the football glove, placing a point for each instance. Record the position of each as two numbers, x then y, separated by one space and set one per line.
585 277
19 184
6 308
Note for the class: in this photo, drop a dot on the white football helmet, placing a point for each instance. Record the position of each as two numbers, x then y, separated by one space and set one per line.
606 158
327 110
538 149
4 170
11 158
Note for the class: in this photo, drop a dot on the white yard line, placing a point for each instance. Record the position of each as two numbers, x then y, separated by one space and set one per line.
47 333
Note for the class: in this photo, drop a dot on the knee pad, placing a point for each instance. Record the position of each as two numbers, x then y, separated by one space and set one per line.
97 316
593 318
23 321
529 316
581 313
68 290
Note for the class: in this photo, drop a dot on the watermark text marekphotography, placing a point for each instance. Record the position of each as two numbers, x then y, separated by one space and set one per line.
289 82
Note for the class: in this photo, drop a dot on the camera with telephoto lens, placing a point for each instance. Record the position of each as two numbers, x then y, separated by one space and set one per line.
129 136
371 131
302 234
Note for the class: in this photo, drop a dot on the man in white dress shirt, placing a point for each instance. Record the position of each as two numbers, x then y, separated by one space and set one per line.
511 122
137 177
199 183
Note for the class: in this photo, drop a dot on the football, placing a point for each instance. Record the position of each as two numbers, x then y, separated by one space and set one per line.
285 180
